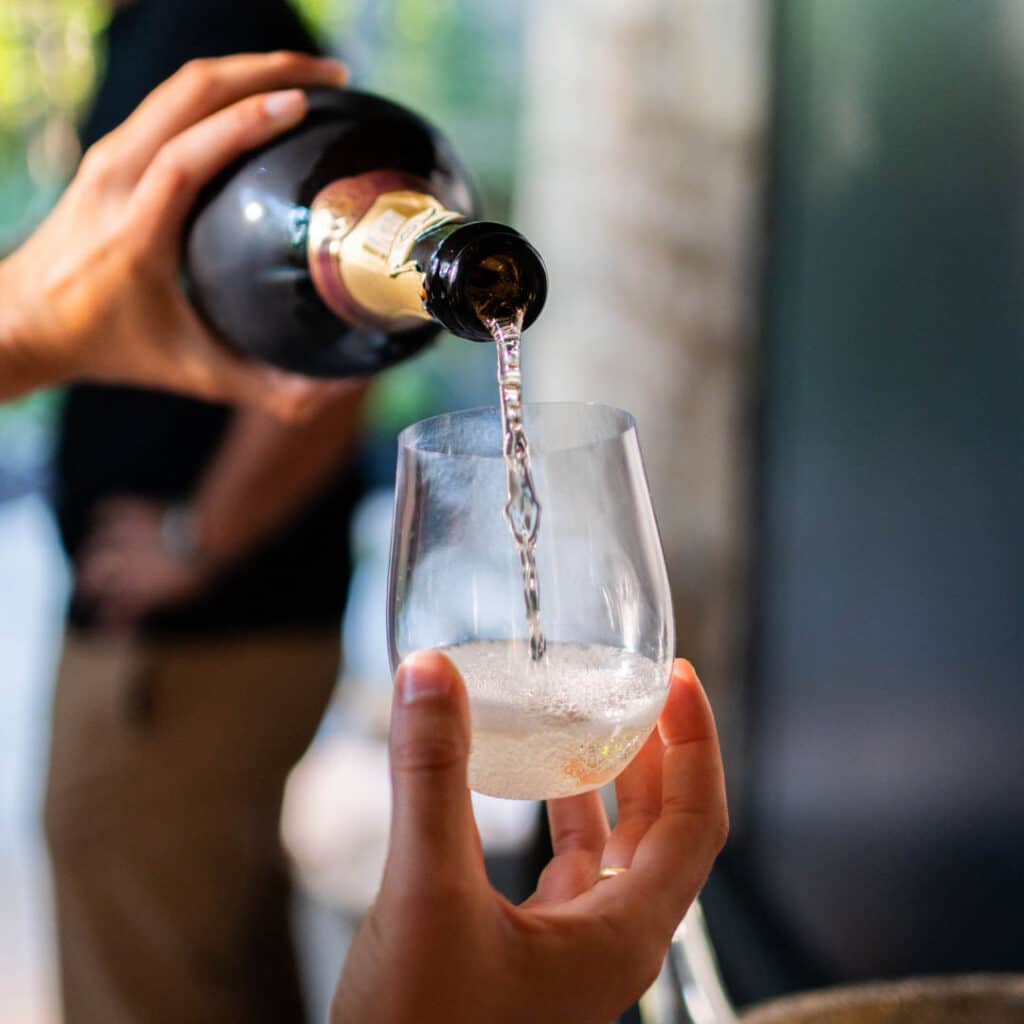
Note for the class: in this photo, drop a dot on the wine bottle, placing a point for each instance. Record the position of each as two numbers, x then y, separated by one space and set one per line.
345 245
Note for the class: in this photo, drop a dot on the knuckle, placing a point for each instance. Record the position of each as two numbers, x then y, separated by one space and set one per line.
248 115
649 965
294 407
141 267
647 955
426 754
98 162
169 169
237 123
197 69
283 407
721 830
283 59
718 826
197 76
639 813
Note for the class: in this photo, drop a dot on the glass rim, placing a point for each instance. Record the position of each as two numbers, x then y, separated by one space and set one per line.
627 425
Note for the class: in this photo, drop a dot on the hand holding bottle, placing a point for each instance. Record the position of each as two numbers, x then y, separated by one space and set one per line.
440 944
95 292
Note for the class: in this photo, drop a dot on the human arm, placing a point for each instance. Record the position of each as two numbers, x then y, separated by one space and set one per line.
94 293
263 474
440 944
265 471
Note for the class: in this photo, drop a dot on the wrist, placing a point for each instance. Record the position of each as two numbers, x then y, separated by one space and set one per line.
189 537
29 359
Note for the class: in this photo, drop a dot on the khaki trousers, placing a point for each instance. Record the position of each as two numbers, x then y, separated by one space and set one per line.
167 768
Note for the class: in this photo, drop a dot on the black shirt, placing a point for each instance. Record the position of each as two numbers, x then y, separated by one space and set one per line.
125 441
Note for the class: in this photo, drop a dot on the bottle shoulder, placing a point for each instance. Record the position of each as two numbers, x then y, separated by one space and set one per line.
348 133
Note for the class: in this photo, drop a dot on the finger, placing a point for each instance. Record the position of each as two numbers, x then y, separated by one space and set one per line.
693 780
119 612
433 833
117 523
122 507
289 396
113 527
172 181
675 856
203 87
579 828
192 361
98 571
638 799
108 540
286 396
672 860
578 823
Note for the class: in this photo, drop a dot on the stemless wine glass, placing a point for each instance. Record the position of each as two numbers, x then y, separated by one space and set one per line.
572 720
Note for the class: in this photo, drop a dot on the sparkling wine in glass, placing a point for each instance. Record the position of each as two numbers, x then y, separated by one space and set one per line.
570 720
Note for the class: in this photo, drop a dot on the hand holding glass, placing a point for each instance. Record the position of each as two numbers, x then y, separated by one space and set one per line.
571 721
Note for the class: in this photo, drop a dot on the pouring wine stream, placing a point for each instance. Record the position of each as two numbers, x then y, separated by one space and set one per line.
522 509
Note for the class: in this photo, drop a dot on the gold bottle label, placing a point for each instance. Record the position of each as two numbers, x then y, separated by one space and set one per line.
362 232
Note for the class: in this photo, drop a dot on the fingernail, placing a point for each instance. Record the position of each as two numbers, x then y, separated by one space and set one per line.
335 69
422 675
683 668
284 105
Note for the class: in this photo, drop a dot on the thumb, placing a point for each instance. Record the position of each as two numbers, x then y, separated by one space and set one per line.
290 397
433 833
287 396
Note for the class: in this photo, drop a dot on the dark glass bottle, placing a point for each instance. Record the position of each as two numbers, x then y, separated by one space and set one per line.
345 245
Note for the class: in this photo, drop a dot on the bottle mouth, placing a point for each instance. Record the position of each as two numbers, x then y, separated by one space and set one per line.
484 272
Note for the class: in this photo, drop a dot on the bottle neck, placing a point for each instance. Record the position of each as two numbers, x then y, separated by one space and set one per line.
386 255
480 274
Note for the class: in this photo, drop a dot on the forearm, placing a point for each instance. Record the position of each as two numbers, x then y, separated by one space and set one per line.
265 472
21 369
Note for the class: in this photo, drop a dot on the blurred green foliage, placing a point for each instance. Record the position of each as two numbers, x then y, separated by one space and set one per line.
47 67
38 408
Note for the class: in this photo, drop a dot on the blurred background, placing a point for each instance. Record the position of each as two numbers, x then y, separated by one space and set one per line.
788 235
